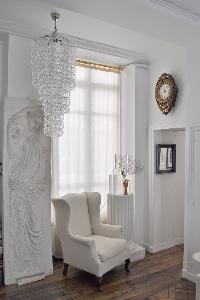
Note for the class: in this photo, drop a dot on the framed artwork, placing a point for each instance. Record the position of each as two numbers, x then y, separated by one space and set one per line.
165 158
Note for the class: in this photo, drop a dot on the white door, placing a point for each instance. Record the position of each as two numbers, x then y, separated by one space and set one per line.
192 212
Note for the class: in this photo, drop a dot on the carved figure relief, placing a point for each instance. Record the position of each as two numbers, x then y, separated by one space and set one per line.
28 190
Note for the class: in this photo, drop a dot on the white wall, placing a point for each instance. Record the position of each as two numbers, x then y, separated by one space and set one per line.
192 81
192 218
185 114
163 57
169 195
3 91
1 155
141 152
1 69
134 137
1 121
182 63
19 68
1 96
173 63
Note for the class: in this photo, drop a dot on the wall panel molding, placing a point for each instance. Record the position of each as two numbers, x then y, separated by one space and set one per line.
32 32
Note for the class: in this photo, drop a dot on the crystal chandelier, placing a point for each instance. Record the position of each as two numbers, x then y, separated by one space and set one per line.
53 59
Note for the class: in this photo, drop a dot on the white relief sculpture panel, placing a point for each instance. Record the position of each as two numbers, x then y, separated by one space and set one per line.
26 192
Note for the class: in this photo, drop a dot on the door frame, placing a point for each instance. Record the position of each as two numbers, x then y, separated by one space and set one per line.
151 247
188 260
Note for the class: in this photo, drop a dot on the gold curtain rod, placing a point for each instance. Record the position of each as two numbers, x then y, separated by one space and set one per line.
101 67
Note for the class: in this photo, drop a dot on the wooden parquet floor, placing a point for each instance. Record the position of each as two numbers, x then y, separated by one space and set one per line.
157 277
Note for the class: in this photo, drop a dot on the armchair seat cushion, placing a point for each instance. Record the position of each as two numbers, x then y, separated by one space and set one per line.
107 247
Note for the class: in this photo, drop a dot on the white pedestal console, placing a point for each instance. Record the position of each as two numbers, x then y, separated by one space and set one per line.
121 212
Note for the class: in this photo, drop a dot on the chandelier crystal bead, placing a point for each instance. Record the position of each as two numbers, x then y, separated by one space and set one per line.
53 59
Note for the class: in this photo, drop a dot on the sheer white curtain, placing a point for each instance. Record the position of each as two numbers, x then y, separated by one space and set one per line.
83 157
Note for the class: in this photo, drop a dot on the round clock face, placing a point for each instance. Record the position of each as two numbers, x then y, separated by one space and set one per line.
165 91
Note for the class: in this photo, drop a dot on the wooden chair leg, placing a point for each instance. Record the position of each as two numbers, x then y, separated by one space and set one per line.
65 269
127 262
99 282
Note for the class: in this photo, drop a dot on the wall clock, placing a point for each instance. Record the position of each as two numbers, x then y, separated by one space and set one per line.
165 93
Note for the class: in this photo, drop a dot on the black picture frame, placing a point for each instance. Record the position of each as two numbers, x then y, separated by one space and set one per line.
165 158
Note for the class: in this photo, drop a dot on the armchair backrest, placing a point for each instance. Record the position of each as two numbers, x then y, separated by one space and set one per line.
94 202
72 214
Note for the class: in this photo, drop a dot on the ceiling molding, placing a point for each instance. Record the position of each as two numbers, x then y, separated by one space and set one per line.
133 56
33 32
177 10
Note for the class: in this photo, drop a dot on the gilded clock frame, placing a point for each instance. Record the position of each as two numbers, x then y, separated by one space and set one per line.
165 105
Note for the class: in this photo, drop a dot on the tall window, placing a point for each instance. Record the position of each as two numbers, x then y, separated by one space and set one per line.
83 157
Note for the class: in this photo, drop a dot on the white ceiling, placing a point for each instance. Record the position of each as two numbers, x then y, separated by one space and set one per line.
191 6
123 9
158 18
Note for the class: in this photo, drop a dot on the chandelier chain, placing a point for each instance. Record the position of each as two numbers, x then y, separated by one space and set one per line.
55 28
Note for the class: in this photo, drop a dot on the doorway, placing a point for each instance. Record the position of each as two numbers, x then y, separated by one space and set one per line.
167 192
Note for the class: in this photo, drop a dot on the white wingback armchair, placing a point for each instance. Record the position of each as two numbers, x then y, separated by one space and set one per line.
87 243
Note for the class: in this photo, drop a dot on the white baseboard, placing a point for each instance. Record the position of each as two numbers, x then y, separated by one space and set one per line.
163 246
189 276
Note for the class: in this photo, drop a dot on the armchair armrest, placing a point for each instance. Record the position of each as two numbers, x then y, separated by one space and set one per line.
83 240
113 231
80 251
